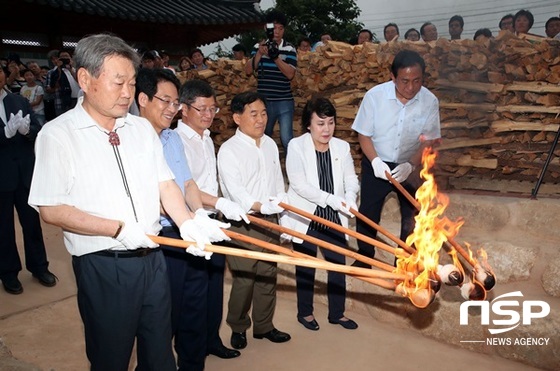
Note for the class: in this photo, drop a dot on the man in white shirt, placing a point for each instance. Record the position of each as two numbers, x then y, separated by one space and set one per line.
199 108
250 174
395 122
100 175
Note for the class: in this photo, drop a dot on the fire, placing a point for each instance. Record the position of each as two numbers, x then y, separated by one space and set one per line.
431 231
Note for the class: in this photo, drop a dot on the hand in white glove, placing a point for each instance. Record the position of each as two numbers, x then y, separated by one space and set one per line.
335 202
133 237
379 168
271 207
402 171
12 125
351 204
231 210
24 122
211 227
190 231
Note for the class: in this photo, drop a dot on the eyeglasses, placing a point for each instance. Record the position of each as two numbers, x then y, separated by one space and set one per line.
170 104
209 110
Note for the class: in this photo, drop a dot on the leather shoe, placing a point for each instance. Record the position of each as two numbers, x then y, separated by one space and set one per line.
274 335
12 286
238 340
348 324
46 278
360 264
311 325
224 353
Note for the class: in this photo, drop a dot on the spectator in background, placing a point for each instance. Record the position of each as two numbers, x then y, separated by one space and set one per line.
523 21
184 64
482 33
304 44
364 36
148 60
165 61
49 97
552 27
15 80
34 92
198 60
428 31
391 31
324 39
506 23
239 52
34 67
275 68
18 130
412 34
62 82
456 24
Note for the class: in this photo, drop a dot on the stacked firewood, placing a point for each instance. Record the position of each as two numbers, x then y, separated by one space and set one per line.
499 98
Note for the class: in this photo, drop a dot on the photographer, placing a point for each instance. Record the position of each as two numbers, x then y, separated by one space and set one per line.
62 82
274 63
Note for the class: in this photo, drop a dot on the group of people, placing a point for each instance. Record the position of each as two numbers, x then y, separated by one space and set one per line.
111 179
518 23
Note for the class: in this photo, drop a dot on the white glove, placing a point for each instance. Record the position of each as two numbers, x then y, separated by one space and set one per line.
351 204
402 171
133 237
12 125
211 227
379 168
335 202
190 231
24 122
231 210
271 207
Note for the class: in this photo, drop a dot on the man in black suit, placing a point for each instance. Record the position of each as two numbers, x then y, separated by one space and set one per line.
18 129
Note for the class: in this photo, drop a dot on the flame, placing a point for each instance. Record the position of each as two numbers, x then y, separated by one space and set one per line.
431 231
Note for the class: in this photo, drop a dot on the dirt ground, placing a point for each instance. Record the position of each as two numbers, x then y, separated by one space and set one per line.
42 330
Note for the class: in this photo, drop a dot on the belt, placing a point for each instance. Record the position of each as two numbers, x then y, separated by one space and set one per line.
138 253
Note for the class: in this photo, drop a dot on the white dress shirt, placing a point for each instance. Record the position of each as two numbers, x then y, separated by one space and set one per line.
249 173
201 157
76 166
395 128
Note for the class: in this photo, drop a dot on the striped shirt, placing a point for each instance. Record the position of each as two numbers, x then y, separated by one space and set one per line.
272 83
325 174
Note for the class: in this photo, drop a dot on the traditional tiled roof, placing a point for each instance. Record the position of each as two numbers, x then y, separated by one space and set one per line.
180 12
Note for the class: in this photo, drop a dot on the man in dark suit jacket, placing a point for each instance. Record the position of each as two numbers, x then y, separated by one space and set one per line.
18 130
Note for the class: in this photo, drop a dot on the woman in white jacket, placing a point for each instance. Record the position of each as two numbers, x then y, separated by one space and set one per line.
322 181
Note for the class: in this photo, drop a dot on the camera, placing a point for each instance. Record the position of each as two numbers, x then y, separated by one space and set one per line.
65 61
272 45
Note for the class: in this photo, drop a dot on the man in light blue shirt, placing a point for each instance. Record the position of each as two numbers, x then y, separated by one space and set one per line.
395 121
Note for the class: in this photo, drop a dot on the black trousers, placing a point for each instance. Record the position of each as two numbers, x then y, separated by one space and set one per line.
372 197
34 246
188 278
305 277
216 267
120 300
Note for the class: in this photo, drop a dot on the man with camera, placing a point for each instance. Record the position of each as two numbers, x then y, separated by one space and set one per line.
274 62
62 82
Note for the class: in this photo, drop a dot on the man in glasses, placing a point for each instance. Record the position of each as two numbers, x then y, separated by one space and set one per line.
157 94
197 115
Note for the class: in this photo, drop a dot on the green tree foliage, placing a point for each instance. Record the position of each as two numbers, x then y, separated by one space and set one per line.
313 18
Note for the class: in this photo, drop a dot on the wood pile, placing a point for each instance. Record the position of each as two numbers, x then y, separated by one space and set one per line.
499 99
